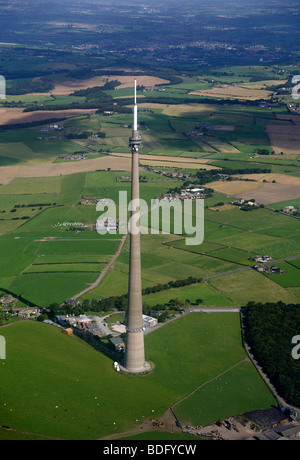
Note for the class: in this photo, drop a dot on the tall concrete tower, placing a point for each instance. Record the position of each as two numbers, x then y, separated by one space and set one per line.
134 348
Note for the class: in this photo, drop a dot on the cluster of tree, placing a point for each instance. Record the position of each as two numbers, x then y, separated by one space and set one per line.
87 72
94 93
190 100
19 218
55 107
164 311
249 207
269 329
205 176
111 85
171 285
263 152
43 86
32 205
59 310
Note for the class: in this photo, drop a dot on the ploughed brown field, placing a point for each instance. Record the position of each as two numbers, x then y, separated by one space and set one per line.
285 188
235 187
8 173
15 115
234 92
272 193
270 177
285 138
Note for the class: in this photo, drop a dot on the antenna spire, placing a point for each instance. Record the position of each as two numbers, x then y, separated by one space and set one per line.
135 110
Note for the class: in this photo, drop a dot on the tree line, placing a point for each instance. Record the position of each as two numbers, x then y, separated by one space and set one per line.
269 329
116 302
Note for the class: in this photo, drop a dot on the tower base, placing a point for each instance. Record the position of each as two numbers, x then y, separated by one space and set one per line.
147 367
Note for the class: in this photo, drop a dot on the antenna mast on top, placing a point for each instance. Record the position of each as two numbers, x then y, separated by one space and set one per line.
135 118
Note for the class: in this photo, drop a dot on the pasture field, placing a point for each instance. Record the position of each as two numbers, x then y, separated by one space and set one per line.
97 246
43 289
210 296
71 259
295 262
69 369
237 287
282 204
241 72
223 396
115 283
65 268
290 277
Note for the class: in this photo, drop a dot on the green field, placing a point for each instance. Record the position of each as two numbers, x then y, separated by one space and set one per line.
43 289
61 390
210 296
226 393
248 286
291 275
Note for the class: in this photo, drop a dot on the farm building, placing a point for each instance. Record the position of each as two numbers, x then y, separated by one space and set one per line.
262 258
118 344
259 268
26 313
289 209
94 329
149 321
68 331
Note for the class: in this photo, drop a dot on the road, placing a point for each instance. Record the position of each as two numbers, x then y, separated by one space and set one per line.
103 273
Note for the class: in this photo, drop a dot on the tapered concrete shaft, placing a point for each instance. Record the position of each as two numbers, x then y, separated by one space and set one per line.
134 349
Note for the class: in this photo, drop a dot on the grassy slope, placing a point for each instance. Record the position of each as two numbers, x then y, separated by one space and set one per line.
70 391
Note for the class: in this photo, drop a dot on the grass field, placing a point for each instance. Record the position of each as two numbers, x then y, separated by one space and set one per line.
69 385
236 286
210 296
291 275
218 398
43 289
